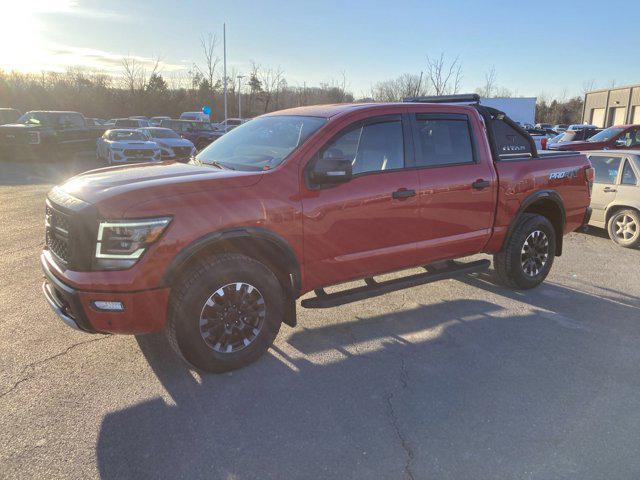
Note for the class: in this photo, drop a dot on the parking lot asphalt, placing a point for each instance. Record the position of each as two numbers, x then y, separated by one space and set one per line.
461 379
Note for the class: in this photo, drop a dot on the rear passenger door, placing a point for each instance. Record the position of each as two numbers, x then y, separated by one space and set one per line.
604 185
457 186
368 224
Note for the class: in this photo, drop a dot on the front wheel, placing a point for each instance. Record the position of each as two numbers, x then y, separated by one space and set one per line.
624 228
225 313
527 256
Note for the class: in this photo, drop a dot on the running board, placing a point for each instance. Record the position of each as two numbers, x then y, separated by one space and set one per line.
375 289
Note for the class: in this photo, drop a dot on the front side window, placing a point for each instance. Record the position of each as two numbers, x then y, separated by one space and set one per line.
33 119
372 147
260 144
443 141
606 168
628 175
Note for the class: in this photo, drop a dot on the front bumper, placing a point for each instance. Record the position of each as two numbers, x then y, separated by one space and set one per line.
144 311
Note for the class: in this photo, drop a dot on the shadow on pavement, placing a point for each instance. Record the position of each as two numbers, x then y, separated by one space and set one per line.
459 389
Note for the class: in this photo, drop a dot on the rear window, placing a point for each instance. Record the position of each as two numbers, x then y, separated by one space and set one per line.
443 141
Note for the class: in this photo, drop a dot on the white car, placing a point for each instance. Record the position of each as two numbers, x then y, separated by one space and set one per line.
229 124
195 116
172 146
127 146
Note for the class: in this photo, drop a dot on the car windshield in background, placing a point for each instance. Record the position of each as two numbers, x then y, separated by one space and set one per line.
605 135
201 126
261 143
126 136
33 119
161 133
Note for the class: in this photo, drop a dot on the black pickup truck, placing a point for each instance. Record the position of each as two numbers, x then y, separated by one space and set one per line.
47 134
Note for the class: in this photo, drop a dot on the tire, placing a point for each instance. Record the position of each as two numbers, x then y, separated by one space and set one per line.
526 258
624 228
210 289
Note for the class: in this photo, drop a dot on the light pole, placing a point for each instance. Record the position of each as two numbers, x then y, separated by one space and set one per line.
224 56
240 77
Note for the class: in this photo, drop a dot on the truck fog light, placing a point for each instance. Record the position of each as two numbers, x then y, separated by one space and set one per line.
108 305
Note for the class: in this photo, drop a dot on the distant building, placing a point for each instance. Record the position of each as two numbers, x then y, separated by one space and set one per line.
518 109
612 106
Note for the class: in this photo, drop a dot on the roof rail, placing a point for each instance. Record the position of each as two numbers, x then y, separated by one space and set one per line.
463 98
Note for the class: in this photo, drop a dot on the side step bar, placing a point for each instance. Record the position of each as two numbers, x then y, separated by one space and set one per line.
375 289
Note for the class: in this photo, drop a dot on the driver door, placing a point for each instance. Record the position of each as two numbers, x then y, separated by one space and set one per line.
364 226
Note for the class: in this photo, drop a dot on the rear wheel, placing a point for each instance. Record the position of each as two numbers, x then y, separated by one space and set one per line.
624 228
225 313
527 256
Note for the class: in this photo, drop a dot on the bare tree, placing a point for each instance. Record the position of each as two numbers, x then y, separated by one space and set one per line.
489 88
445 76
272 82
406 85
588 85
208 45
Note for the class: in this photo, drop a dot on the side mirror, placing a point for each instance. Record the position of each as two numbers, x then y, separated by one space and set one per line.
332 171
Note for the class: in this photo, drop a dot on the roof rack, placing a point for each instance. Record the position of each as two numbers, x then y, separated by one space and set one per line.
463 98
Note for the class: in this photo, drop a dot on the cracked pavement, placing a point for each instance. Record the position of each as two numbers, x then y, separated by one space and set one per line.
454 380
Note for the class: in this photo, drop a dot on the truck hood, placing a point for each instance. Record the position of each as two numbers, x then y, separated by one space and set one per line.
114 189
21 126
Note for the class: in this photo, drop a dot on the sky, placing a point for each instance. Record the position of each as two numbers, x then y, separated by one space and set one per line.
537 48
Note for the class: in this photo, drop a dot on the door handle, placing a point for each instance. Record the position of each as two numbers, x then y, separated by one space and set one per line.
403 193
609 189
480 184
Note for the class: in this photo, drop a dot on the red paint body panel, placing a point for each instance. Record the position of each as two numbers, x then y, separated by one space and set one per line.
349 231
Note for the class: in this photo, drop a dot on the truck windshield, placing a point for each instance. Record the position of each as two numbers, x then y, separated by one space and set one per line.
261 143
605 135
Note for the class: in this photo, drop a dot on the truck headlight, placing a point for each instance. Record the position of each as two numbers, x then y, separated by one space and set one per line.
121 242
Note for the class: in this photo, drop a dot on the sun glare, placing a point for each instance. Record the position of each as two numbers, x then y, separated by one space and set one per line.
22 43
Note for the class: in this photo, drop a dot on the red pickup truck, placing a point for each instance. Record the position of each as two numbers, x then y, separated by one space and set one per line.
217 251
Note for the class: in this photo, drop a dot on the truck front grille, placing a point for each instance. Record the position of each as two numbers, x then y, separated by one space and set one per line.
57 226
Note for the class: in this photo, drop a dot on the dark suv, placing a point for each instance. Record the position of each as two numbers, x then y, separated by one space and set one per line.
200 134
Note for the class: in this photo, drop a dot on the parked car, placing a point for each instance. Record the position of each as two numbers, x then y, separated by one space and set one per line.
9 115
200 134
172 145
615 199
125 146
561 127
139 117
543 126
229 124
47 134
195 116
111 122
131 123
212 251
612 138
155 121
580 126
571 136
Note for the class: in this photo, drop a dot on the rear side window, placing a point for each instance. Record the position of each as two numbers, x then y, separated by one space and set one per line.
628 175
606 168
443 141
373 147
510 143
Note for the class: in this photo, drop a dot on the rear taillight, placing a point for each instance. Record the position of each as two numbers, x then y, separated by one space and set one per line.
543 143
589 174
